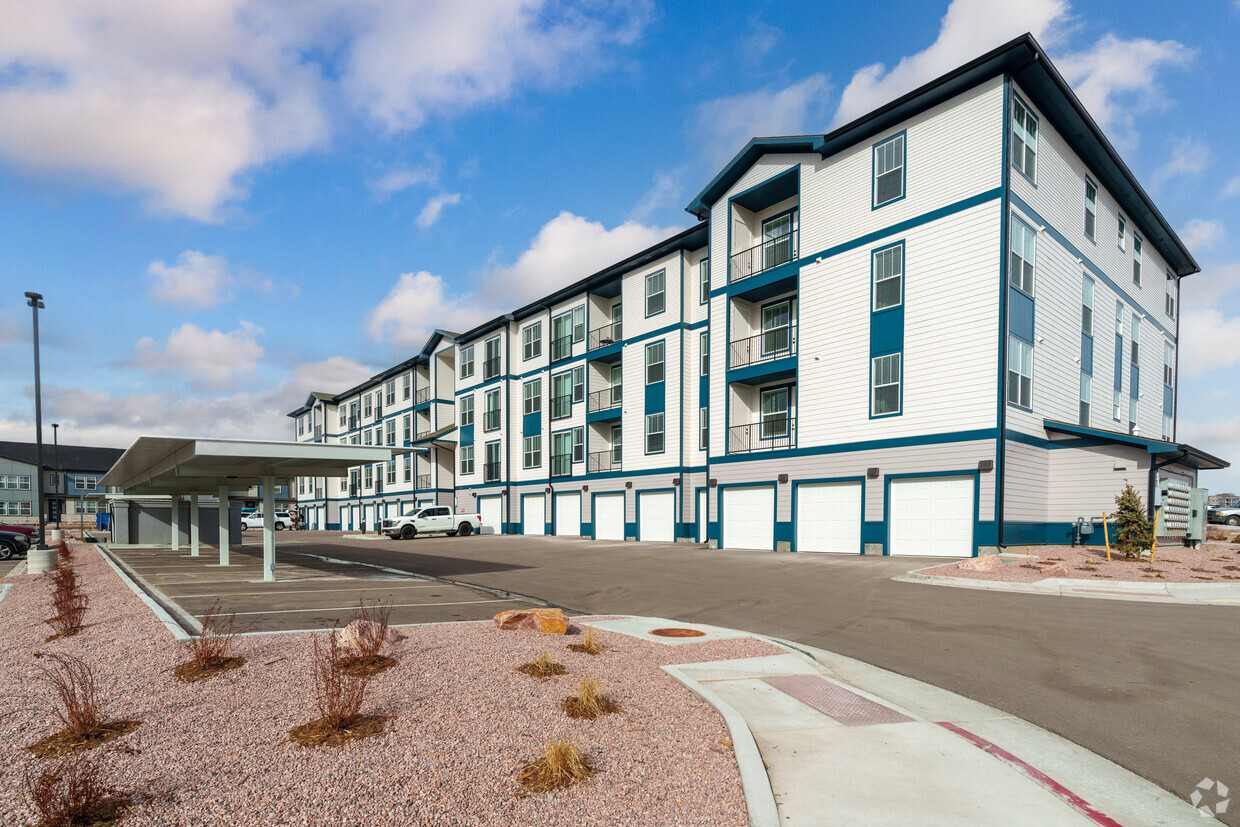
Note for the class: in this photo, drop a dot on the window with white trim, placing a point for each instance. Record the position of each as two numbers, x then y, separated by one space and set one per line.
344 417
390 392
1024 249
81 483
406 427
1091 209
1020 373
579 324
467 459
391 431
408 469
885 385
656 293
1024 140
704 344
532 392
1168 364
579 444
579 383
1169 303
1117 408
533 451
368 475
1134 354
466 408
1132 414
467 361
1087 306
531 340
1136 259
367 410
888 277
1087 387
1120 240
15 482
704 275
391 471
654 433
889 170
406 385
654 363
703 428
367 437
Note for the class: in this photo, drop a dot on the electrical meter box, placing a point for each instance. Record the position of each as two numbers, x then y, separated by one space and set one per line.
1175 505
1196 517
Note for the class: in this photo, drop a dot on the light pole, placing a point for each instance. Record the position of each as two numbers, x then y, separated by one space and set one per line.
35 301
56 469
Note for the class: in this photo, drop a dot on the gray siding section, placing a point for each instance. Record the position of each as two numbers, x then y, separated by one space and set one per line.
139 522
1026 475
1085 481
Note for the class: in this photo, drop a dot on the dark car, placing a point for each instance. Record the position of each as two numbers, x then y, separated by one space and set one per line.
13 543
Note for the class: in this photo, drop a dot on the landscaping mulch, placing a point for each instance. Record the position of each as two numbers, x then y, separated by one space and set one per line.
1211 563
62 743
360 668
320 733
192 672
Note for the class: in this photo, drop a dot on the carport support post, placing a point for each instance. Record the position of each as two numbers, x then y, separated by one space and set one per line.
193 525
175 510
223 509
269 528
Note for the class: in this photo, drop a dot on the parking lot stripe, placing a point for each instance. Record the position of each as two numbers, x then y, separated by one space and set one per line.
313 609
417 584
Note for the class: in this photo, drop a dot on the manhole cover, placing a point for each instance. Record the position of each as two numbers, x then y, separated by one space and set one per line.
677 633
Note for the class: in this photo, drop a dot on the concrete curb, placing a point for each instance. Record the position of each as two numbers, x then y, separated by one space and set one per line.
1190 593
4 589
759 799
18 570
130 579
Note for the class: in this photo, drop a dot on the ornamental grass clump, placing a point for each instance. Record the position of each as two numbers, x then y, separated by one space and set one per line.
560 765
1136 534
69 602
542 667
72 791
591 644
76 706
589 702
338 695
210 650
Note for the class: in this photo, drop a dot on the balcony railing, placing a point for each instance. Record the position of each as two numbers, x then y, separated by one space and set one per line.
772 252
490 368
562 406
352 422
318 431
605 400
776 343
603 461
490 472
490 420
423 395
378 412
771 434
562 348
562 465
423 483
318 493
378 485
606 335
353 492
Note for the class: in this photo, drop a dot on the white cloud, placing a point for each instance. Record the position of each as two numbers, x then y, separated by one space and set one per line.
1202 234
970 28
196 281
1188 157
211 359
1232 187
434 208
417 304
11 330
725 125
663 193
1220 437
1208 340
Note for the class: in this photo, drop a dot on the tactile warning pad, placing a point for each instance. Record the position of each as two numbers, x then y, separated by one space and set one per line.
836 702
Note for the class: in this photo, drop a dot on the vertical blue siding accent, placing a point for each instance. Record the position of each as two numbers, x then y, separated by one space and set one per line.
887 331
1167 393
1134 381
656 398
1020 318
1119 361
1087 353
531 424
467 434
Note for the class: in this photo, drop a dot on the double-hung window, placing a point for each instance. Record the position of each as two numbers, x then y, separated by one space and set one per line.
1168 364
1087 385
1024 140
490 367
367 410
1136 260
1169 303
390 469
1024 255
1091 209
490 470
888 277
533 451
889 170
344 416
654 363
774 406
579 444
1134 355
617 384
703 428
579 383
704 344
467 361
1087 306
656 293
885 385
776 328
617 445
704 275
407 427
1120 240
408 468
390 427
368 475
390 392
533 396
654 433
1020 373
467 459
531 340
1116 408
406 385
579 324
466 408
778 244
367 438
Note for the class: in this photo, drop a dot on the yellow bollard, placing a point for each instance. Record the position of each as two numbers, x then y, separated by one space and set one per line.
1154 542
1106 537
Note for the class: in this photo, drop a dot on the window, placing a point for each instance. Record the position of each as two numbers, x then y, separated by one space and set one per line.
406 383
562 395
490 420
1136 260
654 433
1169 304
1091 209
467 459
391 432
390 392
367 438
617 384
617 444
369 476
654 363
1119 235
533 396
533 451
704 345
490 367
1020 373
1024 140
407 427
467 410
301 425
531 340
85 483
408 470
777 240
85 507
774 413
1132 414
1116 409
1168 364
579 324
656 293
889 170
490 470
776 327
1167 426
703 429
391 471
15 482
1086 392
579 444
885 384
1119 318
1024 254
1087 306
344 417
579 384
467 361
888 277
367 410
1134 355
562 336
562 454
704 274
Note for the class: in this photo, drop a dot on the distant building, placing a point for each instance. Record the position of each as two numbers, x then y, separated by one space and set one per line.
71 473
1224 501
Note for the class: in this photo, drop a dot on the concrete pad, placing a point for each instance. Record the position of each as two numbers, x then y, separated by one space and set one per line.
728 670
768 710
640 627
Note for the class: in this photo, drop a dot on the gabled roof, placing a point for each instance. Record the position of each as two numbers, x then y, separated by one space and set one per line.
67 457
1024 59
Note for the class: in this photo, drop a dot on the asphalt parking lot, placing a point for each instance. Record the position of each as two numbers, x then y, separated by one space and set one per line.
7 566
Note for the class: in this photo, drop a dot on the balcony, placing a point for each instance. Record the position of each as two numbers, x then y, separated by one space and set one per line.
768 346
423 395
604 400
562 348
378 485
562 465
490 472
318 493
490 420
602 461
771 253
562 406
354 492
423 483
490 368
378 412
771 434
352 422
606 335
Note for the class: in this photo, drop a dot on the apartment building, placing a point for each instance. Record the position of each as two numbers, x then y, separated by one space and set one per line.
71 474
948 326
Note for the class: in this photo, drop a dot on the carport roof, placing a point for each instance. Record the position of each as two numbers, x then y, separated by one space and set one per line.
1193 457
185 465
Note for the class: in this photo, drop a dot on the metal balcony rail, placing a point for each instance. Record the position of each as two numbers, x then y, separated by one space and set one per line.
602 461
771 434
562 406
604 400
490 368
767 346
378 411
562 465
772 252
318 431
490 420
318 493
423 395
423 483
490 472
353 492
562 348
378 485
606 335
352 422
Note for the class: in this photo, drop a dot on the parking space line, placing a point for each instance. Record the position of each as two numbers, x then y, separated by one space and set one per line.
276 593
350 608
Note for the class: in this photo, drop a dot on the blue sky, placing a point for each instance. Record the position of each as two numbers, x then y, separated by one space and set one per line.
227 205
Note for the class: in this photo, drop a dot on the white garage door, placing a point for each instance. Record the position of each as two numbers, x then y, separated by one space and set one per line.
609 517
491 511
656 516
829 517
568 515
534 514
701 516
931 516
749 517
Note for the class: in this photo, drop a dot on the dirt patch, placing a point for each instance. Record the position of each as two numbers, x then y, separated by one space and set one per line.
322 734
366 667
542 668
192 672
62 743
60 635
574 707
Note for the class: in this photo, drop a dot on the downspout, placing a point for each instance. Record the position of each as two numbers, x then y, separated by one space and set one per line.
507 403
680 472
1175 386
1154 467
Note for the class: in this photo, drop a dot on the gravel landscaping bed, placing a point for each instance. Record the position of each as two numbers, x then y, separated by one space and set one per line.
463 723
1213 563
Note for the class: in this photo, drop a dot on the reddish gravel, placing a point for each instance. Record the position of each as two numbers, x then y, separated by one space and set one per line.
1173 564
216 752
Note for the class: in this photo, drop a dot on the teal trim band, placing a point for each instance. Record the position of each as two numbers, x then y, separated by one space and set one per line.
870 445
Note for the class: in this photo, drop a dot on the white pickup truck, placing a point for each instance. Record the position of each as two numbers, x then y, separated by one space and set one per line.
433 519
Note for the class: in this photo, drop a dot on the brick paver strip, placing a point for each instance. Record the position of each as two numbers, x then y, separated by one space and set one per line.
836 702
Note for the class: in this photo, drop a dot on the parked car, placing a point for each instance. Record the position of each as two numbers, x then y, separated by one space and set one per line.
31 531
254 519
13 543
1228 516
433 519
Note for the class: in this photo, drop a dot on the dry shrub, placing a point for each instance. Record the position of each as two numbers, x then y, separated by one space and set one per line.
589 702
209 650
591 644
338 696
72 792
69 603
64 554
77 698
561 765
362 658
542 667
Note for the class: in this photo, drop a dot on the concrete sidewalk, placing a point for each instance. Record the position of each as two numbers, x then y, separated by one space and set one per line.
820 738
1211 594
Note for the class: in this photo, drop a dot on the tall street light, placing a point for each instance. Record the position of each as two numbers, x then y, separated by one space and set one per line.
35 301
56 469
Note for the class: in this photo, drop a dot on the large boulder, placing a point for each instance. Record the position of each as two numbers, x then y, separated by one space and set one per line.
547 621
987 562
352 635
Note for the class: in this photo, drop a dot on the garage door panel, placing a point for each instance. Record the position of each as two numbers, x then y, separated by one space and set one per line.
931 516
657 516
829 517
490 509
534 514
749 517
609 517
568 515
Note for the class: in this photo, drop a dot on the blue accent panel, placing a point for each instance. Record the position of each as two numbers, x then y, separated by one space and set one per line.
765 284
1134 380
467 434
1167 398
1020 314
656 398
531 424
603 416
1058 534
703 391
608 353
1087 353
784 532
587 529
873 532
1119 362
334 527
630 530
887 331
766 371
424 406
986 533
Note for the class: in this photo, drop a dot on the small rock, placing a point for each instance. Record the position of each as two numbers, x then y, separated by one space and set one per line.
547 621
1056 570
987 562
353 633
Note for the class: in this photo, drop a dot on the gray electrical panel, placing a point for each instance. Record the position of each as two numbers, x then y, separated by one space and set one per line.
1196 517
